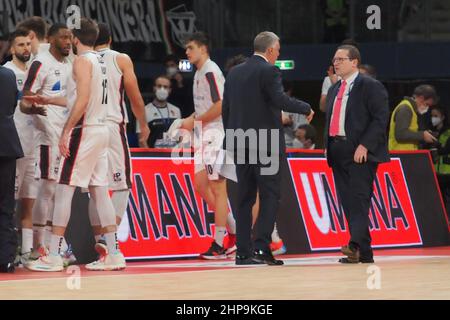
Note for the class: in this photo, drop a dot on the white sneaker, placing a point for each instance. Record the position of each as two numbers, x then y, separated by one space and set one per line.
109 262
46 263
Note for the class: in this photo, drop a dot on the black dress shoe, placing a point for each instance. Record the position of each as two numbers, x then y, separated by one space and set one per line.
362 260
366 260
351 253
245 260
267 258
7 268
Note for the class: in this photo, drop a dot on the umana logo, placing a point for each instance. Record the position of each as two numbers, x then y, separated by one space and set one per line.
391 216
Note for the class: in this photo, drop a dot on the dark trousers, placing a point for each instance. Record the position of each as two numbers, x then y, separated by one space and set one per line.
250 181
8 234
354 184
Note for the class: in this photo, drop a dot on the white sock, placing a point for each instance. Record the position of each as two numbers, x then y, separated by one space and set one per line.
38 236
119 200
111 242
64 245
231 223
219 235
97 237
275 235
47 236
27 240
56 244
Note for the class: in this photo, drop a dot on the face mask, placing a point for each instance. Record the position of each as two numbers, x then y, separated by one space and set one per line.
162 94
171 71
435 121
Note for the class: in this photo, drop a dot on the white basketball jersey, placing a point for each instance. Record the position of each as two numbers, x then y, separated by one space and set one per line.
208 89
49 76
96 109
116 90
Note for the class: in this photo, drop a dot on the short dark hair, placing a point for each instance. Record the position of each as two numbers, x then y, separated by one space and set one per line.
427 91
353 52
371 71
310 132
18 33
234 61
87 33
54 29
104 34
171 57
200 38
442 111
163 76
35 24
350 42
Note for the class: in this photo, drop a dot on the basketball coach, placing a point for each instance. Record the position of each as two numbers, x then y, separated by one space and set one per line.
252 103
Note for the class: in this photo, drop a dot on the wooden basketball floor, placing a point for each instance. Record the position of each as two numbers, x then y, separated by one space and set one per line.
396 274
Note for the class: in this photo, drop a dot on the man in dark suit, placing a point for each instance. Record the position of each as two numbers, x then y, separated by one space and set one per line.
10 150
251 111
357 114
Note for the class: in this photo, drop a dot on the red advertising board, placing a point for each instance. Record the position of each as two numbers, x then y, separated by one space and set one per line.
392 219
165 217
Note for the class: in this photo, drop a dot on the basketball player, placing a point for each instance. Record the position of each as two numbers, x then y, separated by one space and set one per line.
26 185
37 28
208 90
84 146
48 75
120 79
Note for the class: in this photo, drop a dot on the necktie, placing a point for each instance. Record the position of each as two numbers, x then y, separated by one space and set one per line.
334 125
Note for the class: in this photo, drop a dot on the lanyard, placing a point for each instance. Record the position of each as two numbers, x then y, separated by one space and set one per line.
165 119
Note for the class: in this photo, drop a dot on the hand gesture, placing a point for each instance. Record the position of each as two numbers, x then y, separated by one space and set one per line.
360 154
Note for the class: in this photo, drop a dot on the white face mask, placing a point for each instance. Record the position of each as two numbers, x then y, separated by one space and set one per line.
162 94
297 144
171 71
436 121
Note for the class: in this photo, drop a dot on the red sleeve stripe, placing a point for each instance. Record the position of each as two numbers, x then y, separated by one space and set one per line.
215 95
32 75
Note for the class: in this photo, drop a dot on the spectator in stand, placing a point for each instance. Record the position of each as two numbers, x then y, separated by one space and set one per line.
181 94
329 80
160 114
291 121
369 70
305 137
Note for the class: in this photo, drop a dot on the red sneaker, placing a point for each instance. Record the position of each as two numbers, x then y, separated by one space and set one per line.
231 244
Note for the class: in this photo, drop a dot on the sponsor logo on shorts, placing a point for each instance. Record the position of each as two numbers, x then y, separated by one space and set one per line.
117 177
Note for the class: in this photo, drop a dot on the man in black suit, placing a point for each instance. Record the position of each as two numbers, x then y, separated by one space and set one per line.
251 111
10 150
357 114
